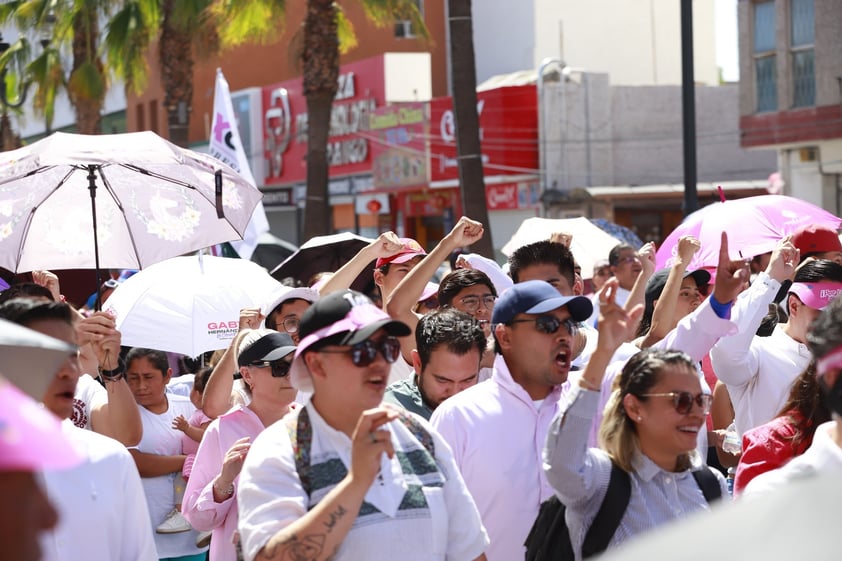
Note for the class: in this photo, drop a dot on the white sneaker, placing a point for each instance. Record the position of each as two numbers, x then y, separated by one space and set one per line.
203 539
173 524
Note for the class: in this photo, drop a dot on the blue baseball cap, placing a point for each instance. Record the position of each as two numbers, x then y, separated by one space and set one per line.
538 297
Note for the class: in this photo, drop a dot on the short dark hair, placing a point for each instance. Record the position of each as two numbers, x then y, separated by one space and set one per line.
270 317
158 359
24 290
817 271
200 380
614 254
24 311
456 281
457 331
542 252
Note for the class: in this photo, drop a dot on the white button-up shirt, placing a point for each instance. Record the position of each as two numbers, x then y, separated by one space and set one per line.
497 434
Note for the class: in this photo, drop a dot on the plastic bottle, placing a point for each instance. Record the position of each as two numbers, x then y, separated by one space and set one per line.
731 443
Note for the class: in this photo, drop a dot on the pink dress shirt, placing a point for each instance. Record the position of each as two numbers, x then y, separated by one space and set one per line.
198 507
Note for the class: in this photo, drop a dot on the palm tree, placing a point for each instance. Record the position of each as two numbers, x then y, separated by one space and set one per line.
464 80
324 34
76 29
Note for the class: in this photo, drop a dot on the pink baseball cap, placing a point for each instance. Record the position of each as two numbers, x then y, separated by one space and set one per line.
430 290
345 317
816 295
31 438
410 250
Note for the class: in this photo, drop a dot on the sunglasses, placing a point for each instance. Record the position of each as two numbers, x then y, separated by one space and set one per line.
280 368
683 401
550 324
365 352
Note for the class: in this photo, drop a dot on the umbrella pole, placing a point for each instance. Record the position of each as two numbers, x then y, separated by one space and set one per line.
92 189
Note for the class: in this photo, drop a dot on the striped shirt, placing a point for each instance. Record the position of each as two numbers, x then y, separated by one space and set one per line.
418 507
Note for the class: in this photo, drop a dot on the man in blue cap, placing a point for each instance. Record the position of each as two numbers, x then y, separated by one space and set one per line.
497 428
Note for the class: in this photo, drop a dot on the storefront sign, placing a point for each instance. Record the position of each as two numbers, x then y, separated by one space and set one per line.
512 196
361 91
430 202
399 154
508 120
277 197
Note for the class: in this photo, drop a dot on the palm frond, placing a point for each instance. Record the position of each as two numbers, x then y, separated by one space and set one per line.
87 82
248 21
345 31
384 13
127 39
48 75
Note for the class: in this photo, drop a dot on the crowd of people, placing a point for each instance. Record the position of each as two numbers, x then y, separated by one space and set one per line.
440 420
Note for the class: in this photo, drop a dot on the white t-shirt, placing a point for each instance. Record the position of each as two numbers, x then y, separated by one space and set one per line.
89 395
401 370
160 438
100 504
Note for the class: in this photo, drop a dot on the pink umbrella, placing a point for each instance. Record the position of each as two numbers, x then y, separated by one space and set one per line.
754 225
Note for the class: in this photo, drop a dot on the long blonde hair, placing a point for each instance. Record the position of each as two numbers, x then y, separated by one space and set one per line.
618 433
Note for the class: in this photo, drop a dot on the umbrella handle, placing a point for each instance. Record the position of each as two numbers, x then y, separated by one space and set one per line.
217 178
92 189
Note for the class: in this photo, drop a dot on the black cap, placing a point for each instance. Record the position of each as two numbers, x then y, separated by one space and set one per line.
270 346
656 284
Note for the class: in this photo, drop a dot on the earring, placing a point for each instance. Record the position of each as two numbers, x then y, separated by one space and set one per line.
639 418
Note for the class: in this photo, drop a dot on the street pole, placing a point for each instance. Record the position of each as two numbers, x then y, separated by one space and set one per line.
688 114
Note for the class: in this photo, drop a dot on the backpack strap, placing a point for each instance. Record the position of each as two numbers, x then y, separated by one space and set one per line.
708 483
610 513
301 436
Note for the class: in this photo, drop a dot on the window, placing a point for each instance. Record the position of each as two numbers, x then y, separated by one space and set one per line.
802 38
765 71
404 28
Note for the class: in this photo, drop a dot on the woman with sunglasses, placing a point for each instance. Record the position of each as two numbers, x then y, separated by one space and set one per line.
210 501
649 430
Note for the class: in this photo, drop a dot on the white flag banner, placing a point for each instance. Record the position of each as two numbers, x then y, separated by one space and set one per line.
225 145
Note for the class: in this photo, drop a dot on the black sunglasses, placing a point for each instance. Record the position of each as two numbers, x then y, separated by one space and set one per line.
364 353
280 367
550 324
683 401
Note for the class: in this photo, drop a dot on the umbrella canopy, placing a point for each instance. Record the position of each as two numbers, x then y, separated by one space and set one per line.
590 243
754 226
271 251
121 201
622 233
188 305
326 253
29 358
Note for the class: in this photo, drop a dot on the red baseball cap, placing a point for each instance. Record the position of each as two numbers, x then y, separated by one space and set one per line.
816 239
410 250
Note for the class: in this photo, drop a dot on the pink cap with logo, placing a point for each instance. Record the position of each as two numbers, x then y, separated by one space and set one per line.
410 250
31 438
816 295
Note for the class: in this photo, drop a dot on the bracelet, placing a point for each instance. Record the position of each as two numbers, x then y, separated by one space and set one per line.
113 375
224 492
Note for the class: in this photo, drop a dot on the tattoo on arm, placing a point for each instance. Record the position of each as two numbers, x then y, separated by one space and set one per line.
308 548
334 517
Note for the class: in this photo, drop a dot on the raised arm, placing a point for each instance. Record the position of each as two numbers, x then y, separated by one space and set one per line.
216 399
400 303
638 291
386 245
663 317
732 357
118 417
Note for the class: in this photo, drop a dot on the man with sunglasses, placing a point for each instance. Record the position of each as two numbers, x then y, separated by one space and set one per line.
497 429
343 477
